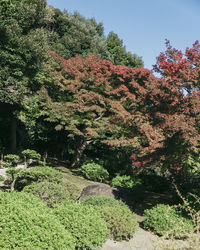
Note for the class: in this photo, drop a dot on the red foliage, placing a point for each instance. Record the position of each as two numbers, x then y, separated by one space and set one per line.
131 106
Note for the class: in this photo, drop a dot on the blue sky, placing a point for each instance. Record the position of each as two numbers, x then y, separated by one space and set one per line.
143 25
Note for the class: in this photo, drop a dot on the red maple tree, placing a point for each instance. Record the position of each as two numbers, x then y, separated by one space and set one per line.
129 107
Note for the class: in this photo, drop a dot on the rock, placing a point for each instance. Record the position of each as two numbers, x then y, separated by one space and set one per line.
99 190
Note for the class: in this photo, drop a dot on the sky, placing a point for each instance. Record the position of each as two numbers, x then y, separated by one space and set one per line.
143 25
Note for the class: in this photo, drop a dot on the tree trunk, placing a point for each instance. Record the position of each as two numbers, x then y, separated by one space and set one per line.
12 187
25 163
79 152
45 156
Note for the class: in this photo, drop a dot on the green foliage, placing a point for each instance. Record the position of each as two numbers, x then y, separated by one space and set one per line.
2 178
73 34
6 164
49 192
94 172
23 49
125 181
119 54
13 173
26 223
166 220
12 158
85 225
120 220
73 189
102 201
31 154
38 174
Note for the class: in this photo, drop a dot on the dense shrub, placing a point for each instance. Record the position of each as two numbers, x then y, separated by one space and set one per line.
125 181
85 225
94 172
49 192
165 220
119 218
2 178
38 174
26 223
102 201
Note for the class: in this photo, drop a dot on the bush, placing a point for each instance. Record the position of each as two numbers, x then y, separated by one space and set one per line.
12 159
2 178
94 172
49 192
125 181
31 154
85 225
26 223
120 220
102 201
166 220
38 174
31 157
6 164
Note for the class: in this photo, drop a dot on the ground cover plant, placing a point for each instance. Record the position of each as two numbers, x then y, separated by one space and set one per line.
164 219
38 174
26 223
121 222
49 192
84 223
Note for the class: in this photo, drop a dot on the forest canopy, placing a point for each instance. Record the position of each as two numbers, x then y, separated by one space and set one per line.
64 83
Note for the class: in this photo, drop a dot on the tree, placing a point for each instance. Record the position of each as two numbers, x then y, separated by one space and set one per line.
88 106
124 107
75 35
23 48
24 55
119 54
181 73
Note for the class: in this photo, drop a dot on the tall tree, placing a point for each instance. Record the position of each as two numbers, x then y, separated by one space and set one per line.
75 35
23 52
119 54
23 48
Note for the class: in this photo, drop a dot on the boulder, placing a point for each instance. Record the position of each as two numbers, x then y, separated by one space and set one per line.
99 190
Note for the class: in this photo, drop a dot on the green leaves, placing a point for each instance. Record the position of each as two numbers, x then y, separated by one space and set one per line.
84 223
27 223
167 221
119 55
94 172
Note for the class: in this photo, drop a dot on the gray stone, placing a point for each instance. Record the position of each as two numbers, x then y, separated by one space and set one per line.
99 190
